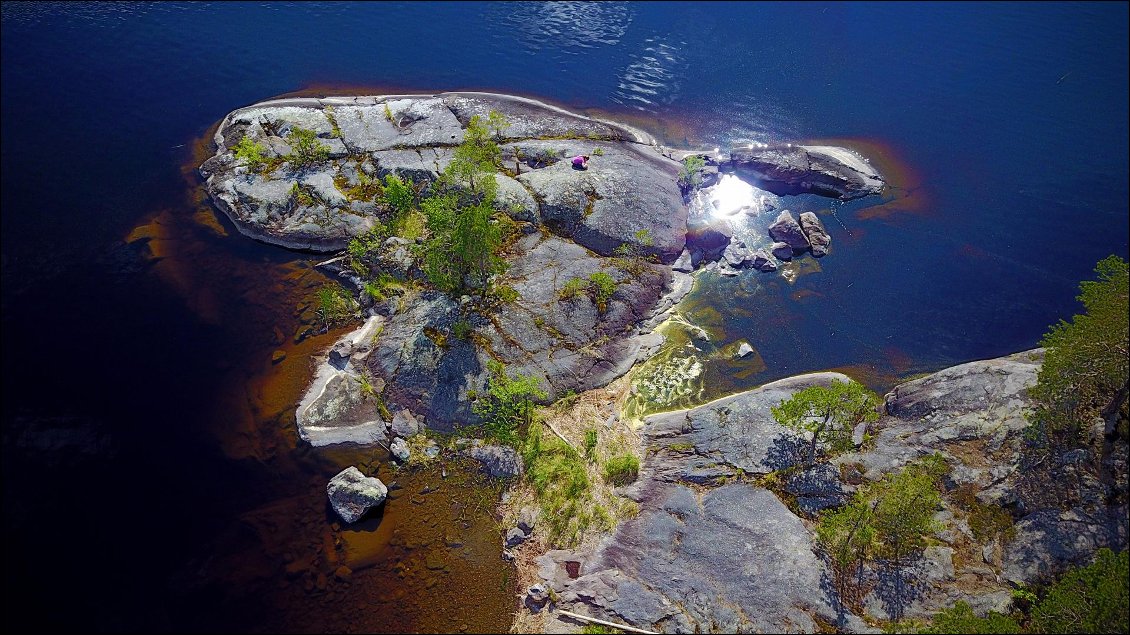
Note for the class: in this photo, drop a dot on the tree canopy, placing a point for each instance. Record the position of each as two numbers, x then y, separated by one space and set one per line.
1084 374
829 413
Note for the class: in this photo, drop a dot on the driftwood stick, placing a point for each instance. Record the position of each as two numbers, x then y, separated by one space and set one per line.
331 260
559 435
612 624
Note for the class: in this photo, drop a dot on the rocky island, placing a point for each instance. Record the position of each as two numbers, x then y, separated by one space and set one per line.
721 532
571 224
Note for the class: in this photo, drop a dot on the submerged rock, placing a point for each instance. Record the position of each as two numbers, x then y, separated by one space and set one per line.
499 461
352 494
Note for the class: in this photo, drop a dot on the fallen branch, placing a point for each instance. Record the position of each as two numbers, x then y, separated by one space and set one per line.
605 623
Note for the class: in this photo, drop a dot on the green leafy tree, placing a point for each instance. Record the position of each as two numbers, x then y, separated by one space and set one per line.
305 149
475 160
848 537
465 242
476 242
828 413
400 196
889 519
497 122
904 506
1091 599
440 268
1084 374
507 402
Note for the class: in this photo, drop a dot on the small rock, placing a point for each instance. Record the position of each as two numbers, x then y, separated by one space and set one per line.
515 537
786 229
684 263
499 461
743 350
858 434
537 597
762 261
343 573
988 551
339 354
431 450
404 424
527 518
781 251
400 450
278 356
352 493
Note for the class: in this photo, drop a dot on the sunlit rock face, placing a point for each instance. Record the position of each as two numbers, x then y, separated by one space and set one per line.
825 170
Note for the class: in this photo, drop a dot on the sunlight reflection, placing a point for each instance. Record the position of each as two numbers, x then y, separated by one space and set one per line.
731 194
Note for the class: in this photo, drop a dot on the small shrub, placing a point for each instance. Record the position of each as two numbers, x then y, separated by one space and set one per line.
621 470
590 442
461 329
505 293
251 152
961 619
335 305
508 403
598 152
602 286
572 289
398 195
305 149
497 122
690 175
301 196
410 226
364 249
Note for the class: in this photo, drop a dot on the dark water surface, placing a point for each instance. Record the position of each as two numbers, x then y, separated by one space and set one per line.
152 478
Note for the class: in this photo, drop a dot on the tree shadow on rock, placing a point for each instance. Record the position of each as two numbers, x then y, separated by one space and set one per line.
897 587
784 452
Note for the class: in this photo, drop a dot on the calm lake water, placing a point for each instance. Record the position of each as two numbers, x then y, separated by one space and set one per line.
151 474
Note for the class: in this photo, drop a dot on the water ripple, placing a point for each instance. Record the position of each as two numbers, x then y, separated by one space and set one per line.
565 27
653 76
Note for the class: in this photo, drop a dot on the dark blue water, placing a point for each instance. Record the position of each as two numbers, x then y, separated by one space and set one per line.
1008 120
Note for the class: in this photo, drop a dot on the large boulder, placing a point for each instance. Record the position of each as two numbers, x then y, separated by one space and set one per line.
786 229
815 233
824 170
626 196
339 407
352 494
708 237
629 189
738 433
732 559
